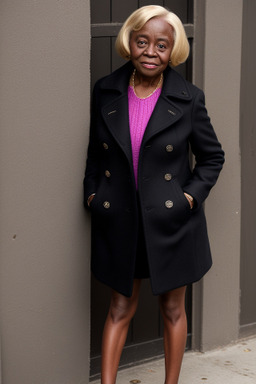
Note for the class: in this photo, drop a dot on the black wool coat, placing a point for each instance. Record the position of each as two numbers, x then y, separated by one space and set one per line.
176 237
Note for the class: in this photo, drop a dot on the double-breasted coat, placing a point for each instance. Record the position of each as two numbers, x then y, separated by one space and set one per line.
176 237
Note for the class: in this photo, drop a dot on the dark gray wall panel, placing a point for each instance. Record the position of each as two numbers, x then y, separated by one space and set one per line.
122 9
100 58
178 7
100 11
248 159
147 309
148 2
117 60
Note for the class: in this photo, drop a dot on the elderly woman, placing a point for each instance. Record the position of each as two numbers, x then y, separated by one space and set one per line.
145 199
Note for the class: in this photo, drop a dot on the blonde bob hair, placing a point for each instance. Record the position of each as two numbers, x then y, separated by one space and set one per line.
139 18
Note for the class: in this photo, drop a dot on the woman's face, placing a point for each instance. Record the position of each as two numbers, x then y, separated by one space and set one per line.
151 47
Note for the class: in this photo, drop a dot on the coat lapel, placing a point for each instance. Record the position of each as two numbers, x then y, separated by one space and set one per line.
116 117
166 111
115 113
165 114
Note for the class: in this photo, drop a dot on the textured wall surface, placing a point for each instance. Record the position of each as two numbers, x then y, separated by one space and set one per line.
44 238
221 287
248 153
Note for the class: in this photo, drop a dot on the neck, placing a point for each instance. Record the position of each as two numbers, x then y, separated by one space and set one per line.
144 88
146 82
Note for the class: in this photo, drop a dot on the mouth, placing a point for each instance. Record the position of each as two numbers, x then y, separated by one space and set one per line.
149 65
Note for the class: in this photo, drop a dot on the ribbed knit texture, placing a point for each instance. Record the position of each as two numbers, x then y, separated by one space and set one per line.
140 111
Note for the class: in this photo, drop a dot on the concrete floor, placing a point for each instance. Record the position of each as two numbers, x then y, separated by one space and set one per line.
234 364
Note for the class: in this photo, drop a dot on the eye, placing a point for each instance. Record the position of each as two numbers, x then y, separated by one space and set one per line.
161 46
141 43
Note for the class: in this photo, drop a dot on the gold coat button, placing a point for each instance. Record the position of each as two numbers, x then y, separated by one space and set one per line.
105 146
107 173
169 148
168 204
168 176
106 204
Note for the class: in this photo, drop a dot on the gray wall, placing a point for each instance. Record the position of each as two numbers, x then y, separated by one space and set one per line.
216 298
44 109
248 154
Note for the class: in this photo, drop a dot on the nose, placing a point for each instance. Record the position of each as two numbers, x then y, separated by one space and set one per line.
150 50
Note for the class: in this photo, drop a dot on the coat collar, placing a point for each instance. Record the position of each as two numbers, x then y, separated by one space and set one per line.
165 114
174 85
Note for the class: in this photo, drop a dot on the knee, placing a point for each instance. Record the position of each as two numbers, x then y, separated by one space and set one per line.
121 311
172 311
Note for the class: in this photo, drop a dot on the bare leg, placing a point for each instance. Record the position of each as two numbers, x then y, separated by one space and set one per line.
121 311
172 306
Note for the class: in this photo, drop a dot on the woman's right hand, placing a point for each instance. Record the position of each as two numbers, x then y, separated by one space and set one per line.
90 198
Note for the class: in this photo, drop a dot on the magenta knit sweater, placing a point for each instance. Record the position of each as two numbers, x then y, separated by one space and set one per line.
140 111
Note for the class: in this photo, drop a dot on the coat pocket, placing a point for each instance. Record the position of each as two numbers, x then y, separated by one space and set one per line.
180 195
180 212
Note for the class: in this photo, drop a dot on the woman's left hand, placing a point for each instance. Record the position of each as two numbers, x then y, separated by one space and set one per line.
189 199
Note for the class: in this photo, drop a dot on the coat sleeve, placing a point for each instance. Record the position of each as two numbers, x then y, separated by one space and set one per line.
209 156
93 153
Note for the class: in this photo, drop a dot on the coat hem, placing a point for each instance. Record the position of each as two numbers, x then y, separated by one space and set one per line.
182 284
154 291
